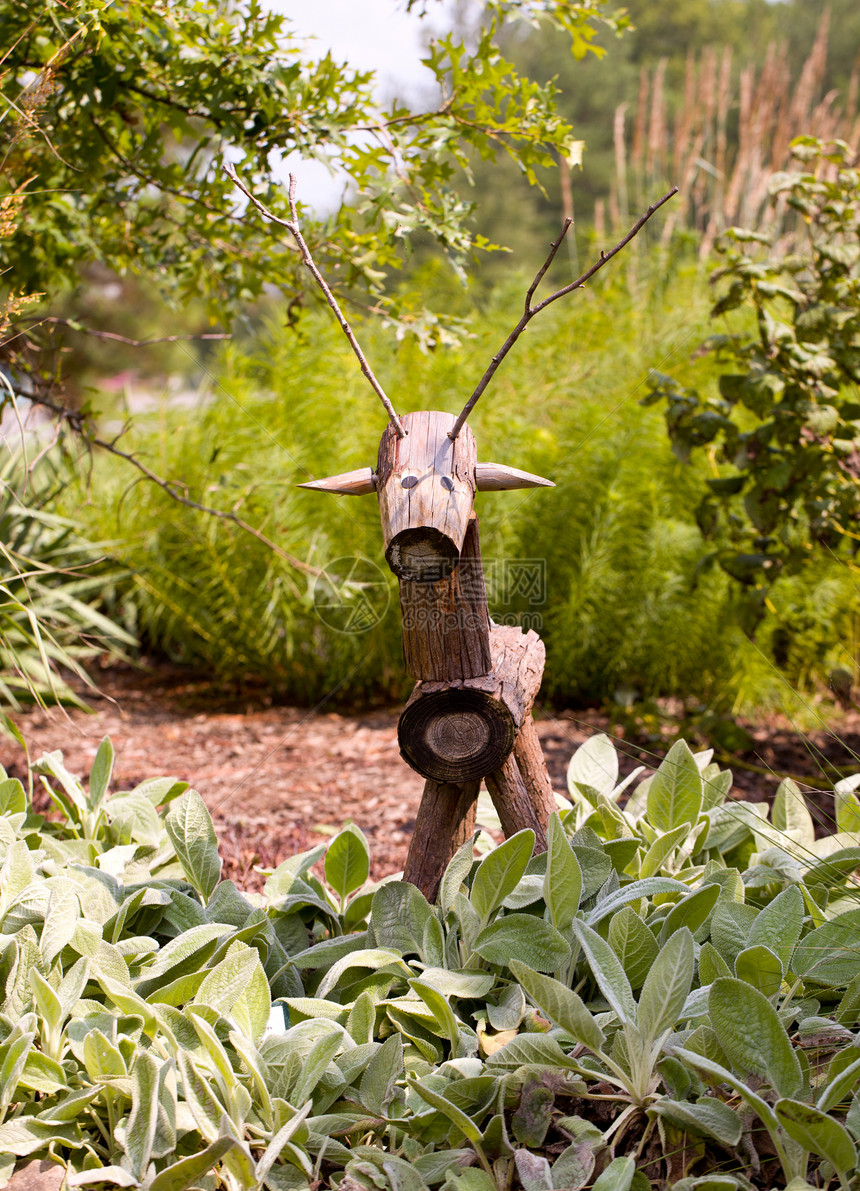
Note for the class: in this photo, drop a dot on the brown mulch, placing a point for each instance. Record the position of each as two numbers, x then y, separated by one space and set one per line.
281 779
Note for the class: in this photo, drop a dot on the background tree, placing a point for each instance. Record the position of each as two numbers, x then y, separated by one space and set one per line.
786 420
116 117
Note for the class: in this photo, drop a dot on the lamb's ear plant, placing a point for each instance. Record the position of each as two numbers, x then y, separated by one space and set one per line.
630 1060
675 974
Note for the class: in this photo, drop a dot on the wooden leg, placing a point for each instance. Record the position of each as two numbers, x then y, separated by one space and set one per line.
446 819
532 765
513 803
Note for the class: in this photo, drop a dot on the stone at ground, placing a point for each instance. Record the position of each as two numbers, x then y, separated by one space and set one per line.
37 1176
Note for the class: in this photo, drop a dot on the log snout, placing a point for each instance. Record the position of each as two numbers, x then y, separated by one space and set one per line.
426 488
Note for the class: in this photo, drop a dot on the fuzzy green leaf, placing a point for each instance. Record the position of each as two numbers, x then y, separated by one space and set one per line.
593 767
526 938
142 1120
618 1175
192 834
707 1117
634 944
454 1114
347 861
779 924
380 1079
499 873
633 892
829 954
100 774
759 967
561 1005
562 884
819 1133
188 1172
752 1035
666 986
608 972
675 793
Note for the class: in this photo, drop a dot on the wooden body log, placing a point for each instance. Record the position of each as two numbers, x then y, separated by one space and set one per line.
446 819
459 731
532 766
426 488
446 628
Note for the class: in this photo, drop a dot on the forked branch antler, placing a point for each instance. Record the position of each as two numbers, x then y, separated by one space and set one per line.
530 311
292 226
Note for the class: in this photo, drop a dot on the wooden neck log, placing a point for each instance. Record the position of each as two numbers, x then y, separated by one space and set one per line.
426 488
446 627
460 731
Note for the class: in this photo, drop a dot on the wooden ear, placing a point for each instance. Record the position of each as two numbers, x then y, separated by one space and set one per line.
496 477
349 483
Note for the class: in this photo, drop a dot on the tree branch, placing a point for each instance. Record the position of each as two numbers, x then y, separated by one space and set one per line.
170 487
292 226
530 311
52 320
77 422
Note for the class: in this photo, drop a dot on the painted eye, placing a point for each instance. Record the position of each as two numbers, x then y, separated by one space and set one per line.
447 483
408 481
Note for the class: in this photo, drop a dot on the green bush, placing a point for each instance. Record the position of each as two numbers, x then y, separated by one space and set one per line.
785 417
679 969
625 605
51 582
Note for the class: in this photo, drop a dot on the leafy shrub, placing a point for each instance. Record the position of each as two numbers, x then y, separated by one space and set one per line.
785 421
674 985
50 585
617 536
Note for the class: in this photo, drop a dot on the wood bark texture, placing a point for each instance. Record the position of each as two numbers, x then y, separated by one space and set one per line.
513 803
426 488
461 730
532 766
446 628
446 819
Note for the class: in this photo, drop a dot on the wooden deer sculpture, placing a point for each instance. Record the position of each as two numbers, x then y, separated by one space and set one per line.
469 716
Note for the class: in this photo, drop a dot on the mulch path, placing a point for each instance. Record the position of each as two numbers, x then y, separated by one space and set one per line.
280 779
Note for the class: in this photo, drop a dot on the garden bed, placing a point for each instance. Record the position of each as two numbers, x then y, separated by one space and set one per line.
281 779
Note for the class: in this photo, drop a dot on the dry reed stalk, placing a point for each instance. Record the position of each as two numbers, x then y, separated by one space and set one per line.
812 73
600 220
638 151
657 131
713 226
701 178
736 180
619 141
685 116
726 184
782 128
851 101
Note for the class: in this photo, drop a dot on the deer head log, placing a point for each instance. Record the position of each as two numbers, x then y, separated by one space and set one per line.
426 484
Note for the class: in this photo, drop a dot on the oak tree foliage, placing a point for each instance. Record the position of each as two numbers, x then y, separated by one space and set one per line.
115 116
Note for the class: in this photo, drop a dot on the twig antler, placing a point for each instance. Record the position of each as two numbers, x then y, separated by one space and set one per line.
530 311
292 226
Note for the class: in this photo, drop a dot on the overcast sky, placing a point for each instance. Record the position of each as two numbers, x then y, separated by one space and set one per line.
370 35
